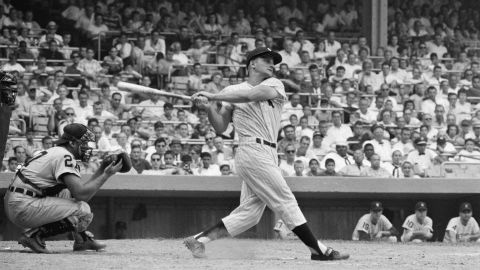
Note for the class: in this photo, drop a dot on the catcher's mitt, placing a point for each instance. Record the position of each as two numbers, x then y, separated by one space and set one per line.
126 165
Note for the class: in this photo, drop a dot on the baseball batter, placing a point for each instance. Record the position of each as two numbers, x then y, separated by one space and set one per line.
39 198
255 106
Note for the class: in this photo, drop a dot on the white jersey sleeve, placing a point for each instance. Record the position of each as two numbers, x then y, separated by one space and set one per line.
385 224
452 225
278 86
363 224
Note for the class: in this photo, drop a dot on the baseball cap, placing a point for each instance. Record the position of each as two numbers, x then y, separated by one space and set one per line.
421 141
465 206
376 206
341 143
175 141
420 206
52 24
317 133
465 123
74 132
441 139
263 51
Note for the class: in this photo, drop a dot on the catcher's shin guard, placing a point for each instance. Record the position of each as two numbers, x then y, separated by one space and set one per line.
34 239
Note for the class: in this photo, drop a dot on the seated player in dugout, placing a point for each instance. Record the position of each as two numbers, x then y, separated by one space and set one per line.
374 226
418 227
463 228
47 196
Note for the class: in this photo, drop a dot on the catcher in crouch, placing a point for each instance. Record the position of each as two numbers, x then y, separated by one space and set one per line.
47 196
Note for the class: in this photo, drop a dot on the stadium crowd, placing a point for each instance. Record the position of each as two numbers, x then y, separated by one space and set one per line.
397 112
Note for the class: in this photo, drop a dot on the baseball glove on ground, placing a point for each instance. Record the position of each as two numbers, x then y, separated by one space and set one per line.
127 163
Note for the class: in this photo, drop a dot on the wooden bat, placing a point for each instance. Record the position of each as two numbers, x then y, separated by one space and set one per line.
135 88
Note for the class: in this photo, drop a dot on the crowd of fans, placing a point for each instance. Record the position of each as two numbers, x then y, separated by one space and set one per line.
396 112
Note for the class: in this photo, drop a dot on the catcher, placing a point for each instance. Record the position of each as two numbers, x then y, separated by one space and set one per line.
47 197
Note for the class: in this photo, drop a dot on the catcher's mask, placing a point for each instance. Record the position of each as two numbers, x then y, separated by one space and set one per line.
8 90
83 136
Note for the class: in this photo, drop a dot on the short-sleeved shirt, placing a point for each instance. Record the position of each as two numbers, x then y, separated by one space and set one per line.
455 225
365 225
412 224
260 119
46 168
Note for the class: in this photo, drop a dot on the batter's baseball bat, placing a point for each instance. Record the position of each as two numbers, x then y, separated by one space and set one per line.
135 88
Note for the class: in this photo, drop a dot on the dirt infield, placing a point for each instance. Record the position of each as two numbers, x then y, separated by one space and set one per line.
241 254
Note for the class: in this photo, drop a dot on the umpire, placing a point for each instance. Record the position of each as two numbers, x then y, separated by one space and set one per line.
8 93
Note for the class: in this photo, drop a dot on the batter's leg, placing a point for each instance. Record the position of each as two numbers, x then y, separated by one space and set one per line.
268 184
245 216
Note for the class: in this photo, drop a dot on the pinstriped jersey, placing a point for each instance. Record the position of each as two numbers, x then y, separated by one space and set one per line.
45 168
259 119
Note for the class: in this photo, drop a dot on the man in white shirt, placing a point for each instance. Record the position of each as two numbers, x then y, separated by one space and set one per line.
368 77
394 168
289 56
151 108
382 146
405 145
463 228
292 107
340 157
82 110
100 114
422 158
364 113
331 45
338 131
351 66
303 44
318 149
207 169
286 165
436 46
103 144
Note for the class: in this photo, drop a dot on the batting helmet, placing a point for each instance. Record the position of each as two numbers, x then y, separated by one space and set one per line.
8 91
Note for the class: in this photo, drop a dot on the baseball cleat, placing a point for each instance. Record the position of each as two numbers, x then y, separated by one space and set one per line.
330 255
34 243
85 241
196 247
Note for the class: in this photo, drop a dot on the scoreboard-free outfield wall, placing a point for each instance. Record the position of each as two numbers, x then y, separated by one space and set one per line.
141 206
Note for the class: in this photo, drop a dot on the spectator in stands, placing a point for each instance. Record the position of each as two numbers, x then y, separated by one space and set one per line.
61 94
167 113
51 30
289 56
207 169
12 164
289 132
90 68
407 170
422 158
330 169
394 168
338 131
442 147
52 53
181 131
299 168
286 164
195 82
156 42
138 163
102 142
178 56
29 144
303 44
12 65
216 84
417 227
101 114
314 167
374 226
470 153
381 146
356 169
318 149
83 110
141 54
47 143
20 153
113 62
158 147
375 170
221 153
156 162
153 107
463 228
55 115
341 157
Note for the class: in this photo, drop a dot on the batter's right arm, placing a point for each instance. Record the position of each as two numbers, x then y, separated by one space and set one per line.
220 115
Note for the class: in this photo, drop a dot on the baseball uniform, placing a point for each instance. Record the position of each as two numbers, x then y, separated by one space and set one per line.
462 231
44 171
365 225
263 183
412 225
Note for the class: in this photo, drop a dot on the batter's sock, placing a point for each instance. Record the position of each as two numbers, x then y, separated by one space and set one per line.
216 231
305 234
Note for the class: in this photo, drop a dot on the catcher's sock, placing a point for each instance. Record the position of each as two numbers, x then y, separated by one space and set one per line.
216 231
305 234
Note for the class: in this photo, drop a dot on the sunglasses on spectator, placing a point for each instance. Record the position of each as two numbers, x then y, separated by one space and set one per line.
155 159
208 139
115 99
428 118
423 47
290 151
70 114
160 145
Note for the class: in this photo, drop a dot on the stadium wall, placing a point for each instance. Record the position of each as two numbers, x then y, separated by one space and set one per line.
177 206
